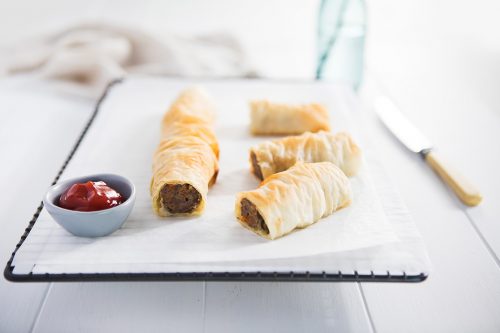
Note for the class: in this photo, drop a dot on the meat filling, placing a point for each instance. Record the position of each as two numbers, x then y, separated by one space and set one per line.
180 198
255 166
252 217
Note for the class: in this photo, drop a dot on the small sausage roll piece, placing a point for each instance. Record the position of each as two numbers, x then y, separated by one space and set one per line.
292 199
275 156
185 163
183 169
267 118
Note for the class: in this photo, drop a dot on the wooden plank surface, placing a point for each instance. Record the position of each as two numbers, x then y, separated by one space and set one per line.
462 293
37 130
285 307
189 307
123 307
449 98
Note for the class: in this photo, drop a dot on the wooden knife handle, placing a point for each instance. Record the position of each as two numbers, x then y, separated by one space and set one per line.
465 191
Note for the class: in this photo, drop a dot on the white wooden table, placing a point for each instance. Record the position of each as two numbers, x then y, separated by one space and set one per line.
462 294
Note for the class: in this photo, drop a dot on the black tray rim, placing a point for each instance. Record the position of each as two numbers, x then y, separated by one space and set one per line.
289 276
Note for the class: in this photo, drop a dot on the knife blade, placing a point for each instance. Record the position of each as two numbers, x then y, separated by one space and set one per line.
401 127
416 142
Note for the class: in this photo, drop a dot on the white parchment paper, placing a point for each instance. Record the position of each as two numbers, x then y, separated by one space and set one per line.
122 140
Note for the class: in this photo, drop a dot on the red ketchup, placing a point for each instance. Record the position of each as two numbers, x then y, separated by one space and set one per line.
89 197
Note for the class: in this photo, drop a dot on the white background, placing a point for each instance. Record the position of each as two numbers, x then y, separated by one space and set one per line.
406 38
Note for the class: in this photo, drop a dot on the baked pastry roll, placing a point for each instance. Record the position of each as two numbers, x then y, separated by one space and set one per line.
191 126
275 156
193 102
192 113
185 163
267 118
292 199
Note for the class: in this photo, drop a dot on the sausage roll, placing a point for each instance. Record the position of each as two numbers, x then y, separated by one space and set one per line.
274 156
295 198
267 118
185 163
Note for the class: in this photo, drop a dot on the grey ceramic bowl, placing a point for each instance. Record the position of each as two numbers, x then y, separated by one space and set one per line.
91 224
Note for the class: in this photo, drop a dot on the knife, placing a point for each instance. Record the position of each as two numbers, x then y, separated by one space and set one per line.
416 142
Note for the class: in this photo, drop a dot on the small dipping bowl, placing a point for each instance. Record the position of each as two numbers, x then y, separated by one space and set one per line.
96 223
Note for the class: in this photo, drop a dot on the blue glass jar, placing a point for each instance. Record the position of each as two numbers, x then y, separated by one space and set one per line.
341 40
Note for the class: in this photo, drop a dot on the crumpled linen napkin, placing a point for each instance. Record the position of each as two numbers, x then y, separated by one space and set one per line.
92 55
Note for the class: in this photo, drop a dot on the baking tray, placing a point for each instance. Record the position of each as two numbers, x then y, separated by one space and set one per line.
338 276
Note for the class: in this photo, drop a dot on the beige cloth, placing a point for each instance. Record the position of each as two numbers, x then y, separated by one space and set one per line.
91 55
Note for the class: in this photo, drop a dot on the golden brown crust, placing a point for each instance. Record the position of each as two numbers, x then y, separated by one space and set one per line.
294 199
193 128
268 118
278 155
185 163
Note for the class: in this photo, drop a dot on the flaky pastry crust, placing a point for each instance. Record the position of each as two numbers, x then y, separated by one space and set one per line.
268 118
187 155
275 156
295 198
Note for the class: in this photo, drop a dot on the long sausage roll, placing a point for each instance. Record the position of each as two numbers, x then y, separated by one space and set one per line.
275 156
185 163
267 118
292 199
